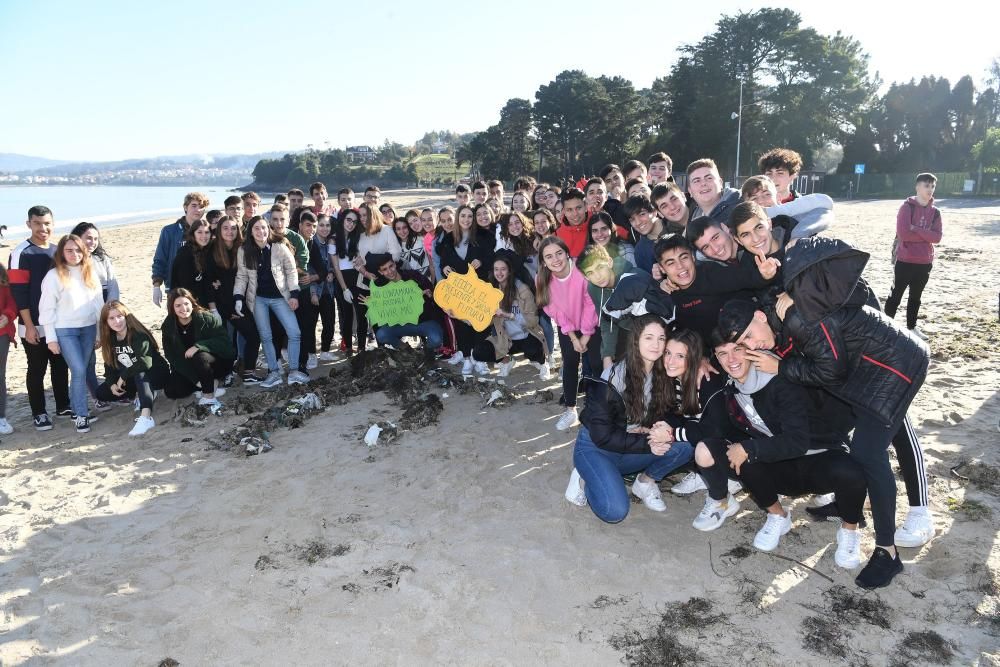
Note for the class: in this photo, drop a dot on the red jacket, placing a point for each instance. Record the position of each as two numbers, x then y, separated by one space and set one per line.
918 228
8 308
575 237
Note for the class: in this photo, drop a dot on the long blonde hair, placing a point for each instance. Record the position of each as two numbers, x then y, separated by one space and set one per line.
108 336
375 221
86 269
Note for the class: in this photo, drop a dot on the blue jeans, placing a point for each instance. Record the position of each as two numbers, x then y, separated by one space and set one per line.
262 307
602 470
429 331
76 344
550 337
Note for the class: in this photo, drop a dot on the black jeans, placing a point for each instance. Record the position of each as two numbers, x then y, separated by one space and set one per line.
531 347
345 309
307 315
40 358
914 276
328 315
830 471
207 368
466 338
251 340
141 385
571 364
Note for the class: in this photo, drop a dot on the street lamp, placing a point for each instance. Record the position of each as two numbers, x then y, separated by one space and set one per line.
738 117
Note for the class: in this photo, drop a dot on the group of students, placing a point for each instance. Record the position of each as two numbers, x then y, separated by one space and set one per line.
708 328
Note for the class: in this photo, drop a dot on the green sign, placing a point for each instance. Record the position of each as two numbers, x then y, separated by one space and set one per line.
398 302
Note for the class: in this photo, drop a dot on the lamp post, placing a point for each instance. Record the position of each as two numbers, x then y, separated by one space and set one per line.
738 117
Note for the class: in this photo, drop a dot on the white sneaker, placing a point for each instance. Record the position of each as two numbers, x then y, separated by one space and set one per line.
917 530
734 487
714 513
480 368
848 554
544 371
142 424
567 420
767 538
919 334
691 483
297 377
220 392
210 402
574 490
311 362
824 499
5 427
456 358
504 367
649 494
327 356
467 365
273 379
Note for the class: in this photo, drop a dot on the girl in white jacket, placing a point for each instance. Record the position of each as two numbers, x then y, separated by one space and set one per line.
69 309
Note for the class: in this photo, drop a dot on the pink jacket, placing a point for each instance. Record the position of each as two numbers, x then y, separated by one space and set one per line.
918 228
570 305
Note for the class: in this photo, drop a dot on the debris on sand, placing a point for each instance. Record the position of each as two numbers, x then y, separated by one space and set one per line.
824 636
848 606
923 648
984 476
379 578
661 645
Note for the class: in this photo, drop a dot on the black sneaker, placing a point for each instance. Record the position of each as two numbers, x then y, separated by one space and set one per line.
83 424
830 512
103 406
42 422
66 412
880 570
249 377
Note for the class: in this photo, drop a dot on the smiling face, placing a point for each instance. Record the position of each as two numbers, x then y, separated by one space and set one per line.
413 220
323 228
733 359
183 309
72 253
765 196
203 236
427 221
755 236
600 233
574 212
483 217
465 219
350 222
652 342
705 187
514 226
556 260
658 172
519 202
447 221
673 207
307 229
250 208
41 229
501 272
643 222
319 198
388 215
675 359
677 264
717 243
261 232
91 238
541 223
402 230
116 321
228 231
345 200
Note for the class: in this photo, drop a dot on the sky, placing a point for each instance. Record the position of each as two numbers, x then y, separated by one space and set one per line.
110 79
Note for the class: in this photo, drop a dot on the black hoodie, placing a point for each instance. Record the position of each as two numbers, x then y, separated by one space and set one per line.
850 349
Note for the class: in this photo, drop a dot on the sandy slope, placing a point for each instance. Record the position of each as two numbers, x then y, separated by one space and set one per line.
455 545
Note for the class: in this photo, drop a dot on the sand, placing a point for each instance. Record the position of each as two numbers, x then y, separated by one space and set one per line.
454 545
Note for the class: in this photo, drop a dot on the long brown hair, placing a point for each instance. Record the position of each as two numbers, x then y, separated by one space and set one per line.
687 402
637 409
197 251
510 288
544 276
62 268
251 253
4 278
456 230
523 245
226 257
375 221
182 293
108 336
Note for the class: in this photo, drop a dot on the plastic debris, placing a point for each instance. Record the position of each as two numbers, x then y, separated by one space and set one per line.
255 445
371 436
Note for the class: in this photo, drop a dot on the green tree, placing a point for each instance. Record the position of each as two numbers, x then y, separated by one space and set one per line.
567 115
987 151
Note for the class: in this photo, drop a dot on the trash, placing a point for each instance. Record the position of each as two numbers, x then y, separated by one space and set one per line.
309 402
494 397
371 436
445 395
255 445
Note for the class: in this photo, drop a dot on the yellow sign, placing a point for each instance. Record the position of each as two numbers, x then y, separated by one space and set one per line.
465 297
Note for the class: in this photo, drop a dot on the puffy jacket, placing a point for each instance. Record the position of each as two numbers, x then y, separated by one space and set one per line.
852 350
282 268
607 420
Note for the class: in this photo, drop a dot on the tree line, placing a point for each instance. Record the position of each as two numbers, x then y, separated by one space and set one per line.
801 89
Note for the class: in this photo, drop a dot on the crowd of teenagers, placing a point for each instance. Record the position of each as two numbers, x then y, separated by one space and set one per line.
707 328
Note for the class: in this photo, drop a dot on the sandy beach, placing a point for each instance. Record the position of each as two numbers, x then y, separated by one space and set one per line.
453 544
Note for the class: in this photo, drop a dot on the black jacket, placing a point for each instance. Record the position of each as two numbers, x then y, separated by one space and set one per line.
786 410
850 349
184 273
607 420
221 296
483 251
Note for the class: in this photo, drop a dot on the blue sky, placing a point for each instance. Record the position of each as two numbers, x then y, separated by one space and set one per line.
106 79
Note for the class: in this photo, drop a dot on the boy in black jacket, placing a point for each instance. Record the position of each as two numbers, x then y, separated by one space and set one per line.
854 352
764 431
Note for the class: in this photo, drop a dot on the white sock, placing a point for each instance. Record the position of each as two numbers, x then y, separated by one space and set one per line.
919 510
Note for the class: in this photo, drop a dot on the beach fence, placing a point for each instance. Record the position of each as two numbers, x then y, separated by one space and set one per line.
950 184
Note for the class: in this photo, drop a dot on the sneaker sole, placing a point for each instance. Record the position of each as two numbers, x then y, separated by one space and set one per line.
911 544
44 428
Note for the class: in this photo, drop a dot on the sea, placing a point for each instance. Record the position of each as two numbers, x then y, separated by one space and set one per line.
103 205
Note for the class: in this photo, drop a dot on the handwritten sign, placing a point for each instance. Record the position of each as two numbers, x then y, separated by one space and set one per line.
398 302
466 297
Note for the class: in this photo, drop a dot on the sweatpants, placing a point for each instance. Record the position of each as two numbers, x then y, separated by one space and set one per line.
914 276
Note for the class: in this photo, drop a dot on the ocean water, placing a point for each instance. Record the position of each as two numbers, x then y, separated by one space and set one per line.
105 206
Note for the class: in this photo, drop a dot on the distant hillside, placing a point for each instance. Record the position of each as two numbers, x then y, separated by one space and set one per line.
12 162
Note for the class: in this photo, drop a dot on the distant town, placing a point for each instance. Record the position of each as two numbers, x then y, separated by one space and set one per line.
171 176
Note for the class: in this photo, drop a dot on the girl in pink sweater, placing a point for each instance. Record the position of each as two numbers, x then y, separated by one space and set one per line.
562 293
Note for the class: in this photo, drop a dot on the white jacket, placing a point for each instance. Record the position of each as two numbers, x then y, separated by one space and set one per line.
70 305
